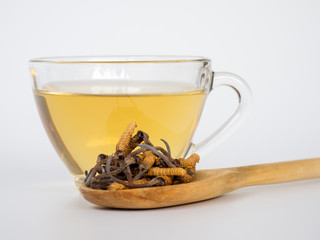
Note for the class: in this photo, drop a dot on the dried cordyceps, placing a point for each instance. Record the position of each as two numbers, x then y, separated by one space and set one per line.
138 163
190 162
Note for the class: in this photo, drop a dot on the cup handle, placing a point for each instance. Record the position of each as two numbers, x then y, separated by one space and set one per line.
207 145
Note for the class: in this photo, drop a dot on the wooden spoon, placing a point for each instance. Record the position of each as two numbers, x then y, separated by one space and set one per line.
207 184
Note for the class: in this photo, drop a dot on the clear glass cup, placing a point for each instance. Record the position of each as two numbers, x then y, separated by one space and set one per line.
85 103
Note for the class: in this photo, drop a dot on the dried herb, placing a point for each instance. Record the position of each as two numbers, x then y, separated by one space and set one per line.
138 163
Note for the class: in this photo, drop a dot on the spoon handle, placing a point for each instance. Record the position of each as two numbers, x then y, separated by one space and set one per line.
279 172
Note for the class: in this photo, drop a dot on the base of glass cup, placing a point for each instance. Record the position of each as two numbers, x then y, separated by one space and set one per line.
78 179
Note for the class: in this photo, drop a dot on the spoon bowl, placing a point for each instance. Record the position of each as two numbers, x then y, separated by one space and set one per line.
206 185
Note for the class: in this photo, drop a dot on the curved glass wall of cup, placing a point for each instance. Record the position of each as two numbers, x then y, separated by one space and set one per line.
194 73
85 103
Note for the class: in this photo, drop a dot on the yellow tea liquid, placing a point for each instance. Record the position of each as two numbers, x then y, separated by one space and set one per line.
90 121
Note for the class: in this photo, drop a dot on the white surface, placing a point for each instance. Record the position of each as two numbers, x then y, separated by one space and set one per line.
54 209
274 45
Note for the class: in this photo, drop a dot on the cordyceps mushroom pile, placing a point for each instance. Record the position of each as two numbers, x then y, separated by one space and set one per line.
138 163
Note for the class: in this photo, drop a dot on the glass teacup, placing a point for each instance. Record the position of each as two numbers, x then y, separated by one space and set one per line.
85 103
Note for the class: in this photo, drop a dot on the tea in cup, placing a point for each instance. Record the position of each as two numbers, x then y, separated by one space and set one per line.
85 103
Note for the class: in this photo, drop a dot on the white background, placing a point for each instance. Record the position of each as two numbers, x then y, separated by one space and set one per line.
274 45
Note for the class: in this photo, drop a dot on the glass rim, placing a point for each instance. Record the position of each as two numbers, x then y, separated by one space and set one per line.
121 59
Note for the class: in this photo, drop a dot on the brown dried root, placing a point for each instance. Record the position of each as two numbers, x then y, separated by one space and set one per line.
137 163
156 171
101 159
160 163
189 176
118 186
124 143
190 162
101 181
148 159
159 154
168 180
135 141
